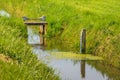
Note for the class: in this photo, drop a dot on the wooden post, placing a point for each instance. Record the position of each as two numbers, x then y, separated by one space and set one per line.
44 32
41 34
83 41
43 29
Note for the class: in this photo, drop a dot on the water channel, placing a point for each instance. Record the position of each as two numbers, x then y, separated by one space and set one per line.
70 69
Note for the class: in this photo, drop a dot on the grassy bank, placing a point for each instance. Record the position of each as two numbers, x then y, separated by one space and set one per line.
66 19
23 64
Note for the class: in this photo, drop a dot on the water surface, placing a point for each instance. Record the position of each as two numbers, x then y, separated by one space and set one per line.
70 69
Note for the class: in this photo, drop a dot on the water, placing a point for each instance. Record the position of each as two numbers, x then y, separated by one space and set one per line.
69 69
32 37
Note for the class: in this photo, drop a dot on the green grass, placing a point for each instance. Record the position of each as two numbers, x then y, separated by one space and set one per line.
101 19
25 65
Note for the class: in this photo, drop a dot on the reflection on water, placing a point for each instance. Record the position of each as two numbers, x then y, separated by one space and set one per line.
76 70
83 69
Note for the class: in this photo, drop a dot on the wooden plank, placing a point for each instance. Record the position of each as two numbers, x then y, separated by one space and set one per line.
35 23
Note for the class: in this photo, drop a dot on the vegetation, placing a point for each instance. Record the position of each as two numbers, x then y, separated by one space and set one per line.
66 19
74 56
17 60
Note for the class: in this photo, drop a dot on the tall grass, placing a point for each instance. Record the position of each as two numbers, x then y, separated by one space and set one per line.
25 65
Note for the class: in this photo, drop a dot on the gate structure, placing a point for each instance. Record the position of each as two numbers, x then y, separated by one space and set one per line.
41 23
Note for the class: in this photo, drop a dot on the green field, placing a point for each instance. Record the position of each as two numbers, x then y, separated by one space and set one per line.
65 18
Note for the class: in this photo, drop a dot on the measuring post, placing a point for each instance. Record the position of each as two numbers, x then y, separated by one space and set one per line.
83 41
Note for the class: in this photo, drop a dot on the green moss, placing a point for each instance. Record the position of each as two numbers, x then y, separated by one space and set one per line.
74 56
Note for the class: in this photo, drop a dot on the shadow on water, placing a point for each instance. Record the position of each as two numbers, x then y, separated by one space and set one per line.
74 69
